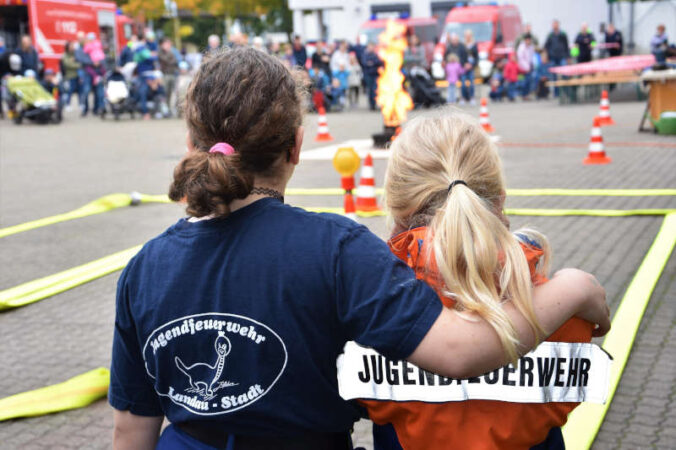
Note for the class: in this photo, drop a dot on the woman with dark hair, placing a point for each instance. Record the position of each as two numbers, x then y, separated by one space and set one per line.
230 322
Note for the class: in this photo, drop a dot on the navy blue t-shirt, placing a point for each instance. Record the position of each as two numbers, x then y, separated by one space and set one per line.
239 321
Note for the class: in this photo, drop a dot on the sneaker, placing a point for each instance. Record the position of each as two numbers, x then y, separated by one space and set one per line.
472 102
461 102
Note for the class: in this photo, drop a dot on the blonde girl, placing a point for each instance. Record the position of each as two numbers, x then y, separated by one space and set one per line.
445 193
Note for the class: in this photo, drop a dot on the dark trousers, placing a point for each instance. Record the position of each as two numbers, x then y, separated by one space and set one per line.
371 86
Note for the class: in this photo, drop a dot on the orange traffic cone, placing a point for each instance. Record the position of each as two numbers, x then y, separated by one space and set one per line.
350 210
484 120
366 192
597 153
604 112
323 134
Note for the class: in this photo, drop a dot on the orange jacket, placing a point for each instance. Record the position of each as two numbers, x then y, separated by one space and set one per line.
473 424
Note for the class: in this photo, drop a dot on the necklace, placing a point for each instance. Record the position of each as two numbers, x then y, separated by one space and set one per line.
268 193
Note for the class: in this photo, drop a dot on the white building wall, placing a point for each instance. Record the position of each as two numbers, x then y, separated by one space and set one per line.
541 13
343 18
647 15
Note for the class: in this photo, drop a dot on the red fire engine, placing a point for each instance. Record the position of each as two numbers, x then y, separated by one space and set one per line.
52 23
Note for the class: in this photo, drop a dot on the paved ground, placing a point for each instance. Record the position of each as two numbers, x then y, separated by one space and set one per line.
48 170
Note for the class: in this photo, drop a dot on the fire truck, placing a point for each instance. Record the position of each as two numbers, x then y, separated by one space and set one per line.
52 23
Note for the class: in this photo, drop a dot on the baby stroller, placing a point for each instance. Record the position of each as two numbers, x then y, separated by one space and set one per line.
118 101
29 100
425 92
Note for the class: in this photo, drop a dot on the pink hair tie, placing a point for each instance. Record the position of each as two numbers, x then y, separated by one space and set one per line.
222 147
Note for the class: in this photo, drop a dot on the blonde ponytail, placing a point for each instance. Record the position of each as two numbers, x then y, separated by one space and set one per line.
480 261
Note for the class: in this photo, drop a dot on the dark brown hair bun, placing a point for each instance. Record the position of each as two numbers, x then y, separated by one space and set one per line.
251 101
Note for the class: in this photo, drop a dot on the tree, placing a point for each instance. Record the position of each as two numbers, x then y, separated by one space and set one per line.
150 9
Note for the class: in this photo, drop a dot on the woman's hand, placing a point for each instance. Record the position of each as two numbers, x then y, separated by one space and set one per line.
593 308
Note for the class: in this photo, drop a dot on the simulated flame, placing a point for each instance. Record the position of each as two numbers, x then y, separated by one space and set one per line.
393 100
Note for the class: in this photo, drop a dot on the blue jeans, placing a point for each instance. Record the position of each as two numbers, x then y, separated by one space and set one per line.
511 90
451 94
98 98
85 89
143 89
467 79
525 84
71 87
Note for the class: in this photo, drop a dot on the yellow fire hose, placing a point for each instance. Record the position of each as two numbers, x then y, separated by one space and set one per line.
582 426
119 200
48 286
76 392
586 420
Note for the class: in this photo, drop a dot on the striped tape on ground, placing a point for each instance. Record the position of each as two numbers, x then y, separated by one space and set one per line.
48 286
42 288
119 200
553 192
528 212
585 421
77 392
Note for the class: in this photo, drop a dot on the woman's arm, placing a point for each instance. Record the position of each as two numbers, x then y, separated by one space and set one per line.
137 432
460 348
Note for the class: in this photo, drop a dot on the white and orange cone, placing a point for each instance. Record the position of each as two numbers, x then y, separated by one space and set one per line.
366 192
323 134
348 203
597 152
484 119
604 111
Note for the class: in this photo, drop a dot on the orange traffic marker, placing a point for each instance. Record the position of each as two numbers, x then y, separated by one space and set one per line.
323 134
604 111
597 152
366 192
484 119
350 210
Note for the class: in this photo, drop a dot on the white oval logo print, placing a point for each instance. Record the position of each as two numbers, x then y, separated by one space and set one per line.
206 361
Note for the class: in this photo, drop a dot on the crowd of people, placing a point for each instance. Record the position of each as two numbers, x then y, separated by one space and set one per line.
526 69
158 74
